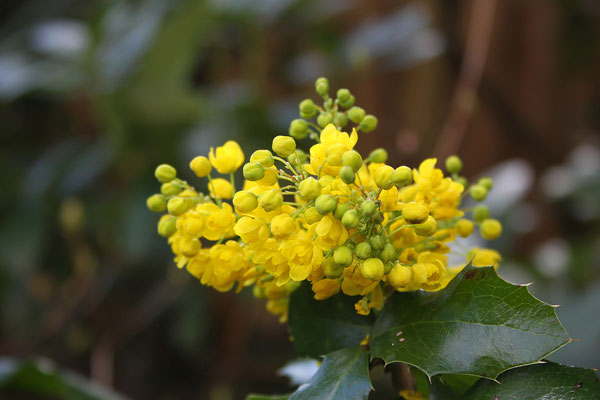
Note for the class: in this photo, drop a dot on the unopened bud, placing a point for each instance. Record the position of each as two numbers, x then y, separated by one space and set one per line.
177 206
464 228
378 156
372 268
368 207
415 213
481 213
353 159
388 253
347 174
325 204
156 203
331 269
167 226
487 183
490 229
253 171
368 123
340 210
201 166
343 256
284 146
454 164
263 157
165 173
322 86
426 228
271 200
402 176
363 250
383 177
478 192
311 215
309 189
245 201
356 114
324 119
350 219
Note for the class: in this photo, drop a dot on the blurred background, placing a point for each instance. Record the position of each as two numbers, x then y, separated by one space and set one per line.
95 94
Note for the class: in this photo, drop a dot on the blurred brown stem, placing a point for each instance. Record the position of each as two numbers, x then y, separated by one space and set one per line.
465 95
402 378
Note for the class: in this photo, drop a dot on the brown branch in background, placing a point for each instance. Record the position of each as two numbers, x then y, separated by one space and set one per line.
465 95
402 378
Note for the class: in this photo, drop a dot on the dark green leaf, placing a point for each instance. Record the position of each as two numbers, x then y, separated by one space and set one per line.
322 326
268 397
41 378
548 381
344 375
478 325
451 386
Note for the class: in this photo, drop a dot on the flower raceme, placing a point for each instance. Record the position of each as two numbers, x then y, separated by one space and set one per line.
333 218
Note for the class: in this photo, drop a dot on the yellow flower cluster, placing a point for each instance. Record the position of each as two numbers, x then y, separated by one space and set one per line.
329 217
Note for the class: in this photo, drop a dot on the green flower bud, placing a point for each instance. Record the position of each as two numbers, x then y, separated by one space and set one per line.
298 129
372 269
284 146
263 157
377 217
415 213
167 226
383 177
490 229
165 173
271 200
340 119
297 158
308 107
377 242
324 119
487 183
368 207
245 201
340 210
478 192
350 219
387 267
312 215
331 269
347 174
363 250
347 103
353 159
378 156
462 180
309 189
177 206
388 253
322 86
343 256
368 123
253 171
328 104
343 95
402 176
426 228
171 188
325 204
356 114
156 203
481 213
454 164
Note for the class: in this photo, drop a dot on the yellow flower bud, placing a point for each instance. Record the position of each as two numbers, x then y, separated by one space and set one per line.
491 229
312 215
283 225
426 228
177 206
167 226
340 210
325 204
270 177
227 158
190 247
402 176
221 188
245 201
415 213
309 189
284 145
383 177
464 228
400 276
343 256
271 200
263 157
253 171
350 219
372 268
201 166
165 173
156 203
353 159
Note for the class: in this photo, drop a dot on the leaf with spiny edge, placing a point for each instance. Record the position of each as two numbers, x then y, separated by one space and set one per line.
478 325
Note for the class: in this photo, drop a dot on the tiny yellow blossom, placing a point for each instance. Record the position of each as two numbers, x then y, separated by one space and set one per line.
227 158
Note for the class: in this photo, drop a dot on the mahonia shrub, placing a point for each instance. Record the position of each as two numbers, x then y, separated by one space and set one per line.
353 254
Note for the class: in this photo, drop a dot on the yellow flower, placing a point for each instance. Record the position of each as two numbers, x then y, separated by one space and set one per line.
485 257
227 158
330 233
325 288
302 254
333 144
251 230
221 189
400 276
283 225
219 221
389 199
429 270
